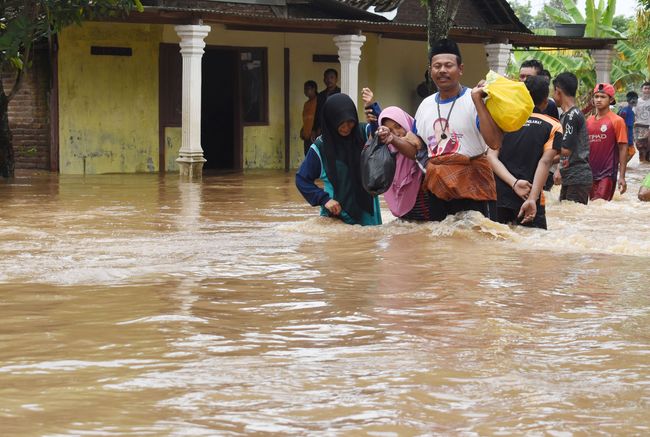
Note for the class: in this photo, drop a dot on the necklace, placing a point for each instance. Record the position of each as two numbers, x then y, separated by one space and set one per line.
444 135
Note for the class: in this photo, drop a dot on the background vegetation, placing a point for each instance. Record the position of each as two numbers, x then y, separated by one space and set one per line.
631 64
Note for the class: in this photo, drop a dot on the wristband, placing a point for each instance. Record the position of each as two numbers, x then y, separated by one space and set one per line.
513 185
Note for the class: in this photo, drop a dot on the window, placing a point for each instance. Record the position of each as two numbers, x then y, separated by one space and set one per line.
254 90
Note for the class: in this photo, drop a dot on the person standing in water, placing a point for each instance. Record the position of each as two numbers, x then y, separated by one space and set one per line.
455 130
642 123
533 67
334 158
607 145
573 173
523 161
627 114
404 192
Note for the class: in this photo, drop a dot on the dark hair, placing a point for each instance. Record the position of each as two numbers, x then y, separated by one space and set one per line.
445 45
533 63
567 82
631 95
645 84
331 70
538 88
546 74
311 84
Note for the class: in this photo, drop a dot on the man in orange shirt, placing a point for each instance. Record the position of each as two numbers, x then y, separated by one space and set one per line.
607 145
308 113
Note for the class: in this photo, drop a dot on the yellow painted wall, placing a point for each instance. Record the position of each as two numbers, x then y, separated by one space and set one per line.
401 66
391 68
173 138
108 105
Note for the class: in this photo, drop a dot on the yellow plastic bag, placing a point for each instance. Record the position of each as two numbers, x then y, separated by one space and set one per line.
508 102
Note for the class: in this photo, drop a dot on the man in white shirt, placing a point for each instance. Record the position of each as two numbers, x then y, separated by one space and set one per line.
642 123
454 129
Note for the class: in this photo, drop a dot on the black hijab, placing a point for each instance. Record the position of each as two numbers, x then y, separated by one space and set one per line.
341 156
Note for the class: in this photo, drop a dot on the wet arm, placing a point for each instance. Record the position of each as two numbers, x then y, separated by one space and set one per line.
622 166
407 145
308 172
541 173
499 169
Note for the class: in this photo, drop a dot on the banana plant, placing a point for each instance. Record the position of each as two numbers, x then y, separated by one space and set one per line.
598 19
631 65
558 61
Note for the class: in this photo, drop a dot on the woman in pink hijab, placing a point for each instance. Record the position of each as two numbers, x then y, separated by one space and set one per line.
402 196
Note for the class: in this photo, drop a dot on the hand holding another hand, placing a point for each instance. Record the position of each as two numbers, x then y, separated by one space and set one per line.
527 211
522 188
385 135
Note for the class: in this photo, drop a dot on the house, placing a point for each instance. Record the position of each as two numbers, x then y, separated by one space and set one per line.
126 96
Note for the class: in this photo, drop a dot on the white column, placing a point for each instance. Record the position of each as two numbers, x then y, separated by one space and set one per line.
349 57
603 63
498 56
190 156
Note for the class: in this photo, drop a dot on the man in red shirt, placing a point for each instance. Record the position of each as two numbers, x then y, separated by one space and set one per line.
607 145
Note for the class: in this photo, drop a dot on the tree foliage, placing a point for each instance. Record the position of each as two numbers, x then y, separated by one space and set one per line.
630 66
23 23
440 18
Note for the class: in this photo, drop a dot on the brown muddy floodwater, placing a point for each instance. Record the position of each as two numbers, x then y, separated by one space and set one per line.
138 305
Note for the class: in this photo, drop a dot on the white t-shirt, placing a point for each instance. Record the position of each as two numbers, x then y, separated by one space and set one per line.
642 112
462 133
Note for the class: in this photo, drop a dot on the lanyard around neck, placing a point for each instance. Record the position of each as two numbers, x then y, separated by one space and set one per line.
444 135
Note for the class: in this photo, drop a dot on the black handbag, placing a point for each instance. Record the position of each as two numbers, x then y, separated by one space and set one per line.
377 166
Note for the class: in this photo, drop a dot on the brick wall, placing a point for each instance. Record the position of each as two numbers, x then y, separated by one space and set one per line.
29 118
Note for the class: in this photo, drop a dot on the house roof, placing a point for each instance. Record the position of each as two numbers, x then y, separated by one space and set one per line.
380 5
477 21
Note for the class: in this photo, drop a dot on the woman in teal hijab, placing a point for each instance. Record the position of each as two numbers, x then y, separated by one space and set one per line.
334 158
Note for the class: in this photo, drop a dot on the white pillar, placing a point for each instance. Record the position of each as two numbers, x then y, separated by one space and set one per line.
603 63
349 57
190 156
498 56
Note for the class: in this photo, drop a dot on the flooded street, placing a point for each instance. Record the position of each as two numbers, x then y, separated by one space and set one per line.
144 306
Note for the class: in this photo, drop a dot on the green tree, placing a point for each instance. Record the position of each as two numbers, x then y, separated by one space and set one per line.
631 64
22 24
621 23
440 18
543 20
523 11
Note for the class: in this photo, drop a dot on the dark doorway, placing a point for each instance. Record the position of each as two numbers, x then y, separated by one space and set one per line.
220 121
